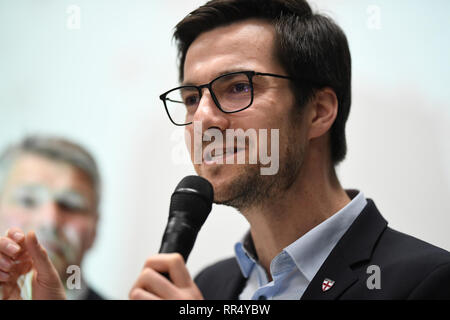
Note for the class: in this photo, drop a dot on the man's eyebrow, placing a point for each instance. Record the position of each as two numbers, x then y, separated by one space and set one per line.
191 83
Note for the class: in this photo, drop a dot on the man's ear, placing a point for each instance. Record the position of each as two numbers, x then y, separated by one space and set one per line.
323 113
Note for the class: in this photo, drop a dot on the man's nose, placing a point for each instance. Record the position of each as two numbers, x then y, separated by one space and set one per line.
51 213
209 114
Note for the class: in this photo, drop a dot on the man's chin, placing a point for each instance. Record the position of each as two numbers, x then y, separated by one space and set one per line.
229 181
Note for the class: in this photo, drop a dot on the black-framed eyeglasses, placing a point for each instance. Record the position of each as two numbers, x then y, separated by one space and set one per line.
231 92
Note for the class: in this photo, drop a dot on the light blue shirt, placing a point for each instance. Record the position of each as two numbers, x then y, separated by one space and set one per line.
296 265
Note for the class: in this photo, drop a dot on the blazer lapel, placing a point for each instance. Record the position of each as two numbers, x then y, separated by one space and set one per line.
235 287
335 275
232 284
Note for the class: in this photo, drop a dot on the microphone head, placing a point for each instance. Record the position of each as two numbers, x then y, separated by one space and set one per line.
192 200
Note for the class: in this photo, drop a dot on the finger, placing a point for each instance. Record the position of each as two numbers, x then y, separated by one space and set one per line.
141 294
41 261
6 263
4 276
20 265
156 284
9 247
23 256
16 235
172 263
12 269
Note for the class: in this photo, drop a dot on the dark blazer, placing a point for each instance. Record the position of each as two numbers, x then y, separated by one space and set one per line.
409 267
93 295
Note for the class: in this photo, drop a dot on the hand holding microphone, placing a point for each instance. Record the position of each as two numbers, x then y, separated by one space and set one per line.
165 275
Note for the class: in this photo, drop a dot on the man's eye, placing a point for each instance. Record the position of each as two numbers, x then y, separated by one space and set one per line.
28 202
241 88
71 207
191 100
72 202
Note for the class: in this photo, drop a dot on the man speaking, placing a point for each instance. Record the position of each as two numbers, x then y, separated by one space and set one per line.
253 64
276 66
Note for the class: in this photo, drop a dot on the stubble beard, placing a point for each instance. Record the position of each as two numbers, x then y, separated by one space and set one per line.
249 188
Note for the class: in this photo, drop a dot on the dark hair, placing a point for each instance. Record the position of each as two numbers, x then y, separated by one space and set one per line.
310 47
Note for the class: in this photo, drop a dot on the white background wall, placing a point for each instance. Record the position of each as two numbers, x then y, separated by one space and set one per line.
99 85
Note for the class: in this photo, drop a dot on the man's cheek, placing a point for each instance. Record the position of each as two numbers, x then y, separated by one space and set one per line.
194 141
16 217
188 140
80 231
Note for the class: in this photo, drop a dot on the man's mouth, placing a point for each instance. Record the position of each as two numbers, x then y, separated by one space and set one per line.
220 156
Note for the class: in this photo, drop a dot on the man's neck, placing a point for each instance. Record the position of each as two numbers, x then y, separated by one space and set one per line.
314 197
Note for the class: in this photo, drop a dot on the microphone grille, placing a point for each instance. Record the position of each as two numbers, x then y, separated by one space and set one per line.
198 183
192 198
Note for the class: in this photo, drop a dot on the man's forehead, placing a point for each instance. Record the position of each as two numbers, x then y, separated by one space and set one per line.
33 168
35 164
220 72
235 47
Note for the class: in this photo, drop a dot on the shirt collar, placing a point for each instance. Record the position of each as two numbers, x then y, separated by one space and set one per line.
245 255
309 251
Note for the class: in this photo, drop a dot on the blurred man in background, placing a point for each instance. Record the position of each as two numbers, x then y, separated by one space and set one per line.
52 186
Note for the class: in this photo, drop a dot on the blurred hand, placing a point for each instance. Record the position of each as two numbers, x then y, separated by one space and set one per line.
19 254
152 285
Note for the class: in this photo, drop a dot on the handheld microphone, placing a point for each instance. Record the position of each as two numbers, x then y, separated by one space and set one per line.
190 205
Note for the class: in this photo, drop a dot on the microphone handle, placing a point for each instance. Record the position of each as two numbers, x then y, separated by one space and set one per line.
180 237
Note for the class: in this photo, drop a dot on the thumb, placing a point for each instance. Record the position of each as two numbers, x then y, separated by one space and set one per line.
47 275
